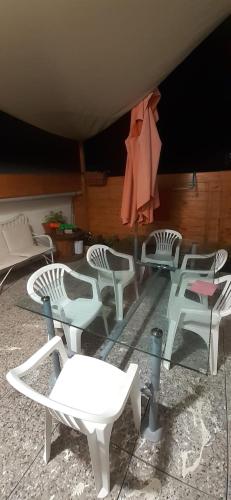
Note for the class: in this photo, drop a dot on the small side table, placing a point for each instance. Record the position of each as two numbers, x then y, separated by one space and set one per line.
65 246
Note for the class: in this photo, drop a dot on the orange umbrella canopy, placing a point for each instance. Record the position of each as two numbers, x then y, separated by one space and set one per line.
140 192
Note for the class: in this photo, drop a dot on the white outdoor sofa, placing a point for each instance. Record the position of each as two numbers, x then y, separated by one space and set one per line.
18 245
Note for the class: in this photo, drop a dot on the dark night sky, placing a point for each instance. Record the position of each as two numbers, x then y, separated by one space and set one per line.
23 147
194 123
194 111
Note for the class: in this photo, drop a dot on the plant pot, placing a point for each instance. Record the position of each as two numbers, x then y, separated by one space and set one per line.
46 227
50 227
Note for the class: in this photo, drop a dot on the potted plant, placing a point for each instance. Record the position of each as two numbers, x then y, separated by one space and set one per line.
90 239
53 220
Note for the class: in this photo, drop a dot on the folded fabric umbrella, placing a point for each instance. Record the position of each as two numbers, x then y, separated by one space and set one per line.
140 192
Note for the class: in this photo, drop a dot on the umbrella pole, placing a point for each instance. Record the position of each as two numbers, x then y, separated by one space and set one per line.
136 241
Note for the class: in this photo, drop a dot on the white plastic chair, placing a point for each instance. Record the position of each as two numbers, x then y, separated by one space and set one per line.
196 317
89 396
183 276
166 248
216 261
49 281
98 258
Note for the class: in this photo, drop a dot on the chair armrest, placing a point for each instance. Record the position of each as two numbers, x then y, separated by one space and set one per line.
88 279
196 312
125 256
191 272
189 256
143 249
48 238
54 344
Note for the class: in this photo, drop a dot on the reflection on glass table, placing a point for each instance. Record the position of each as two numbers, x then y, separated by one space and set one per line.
165 322
150 310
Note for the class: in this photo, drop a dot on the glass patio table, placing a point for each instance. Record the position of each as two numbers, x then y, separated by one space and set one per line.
146 324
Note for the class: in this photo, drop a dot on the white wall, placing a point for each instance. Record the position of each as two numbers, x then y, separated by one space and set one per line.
36 208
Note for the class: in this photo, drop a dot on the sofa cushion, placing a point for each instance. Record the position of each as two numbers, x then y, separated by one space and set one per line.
31 251
4 250
18 237
10 261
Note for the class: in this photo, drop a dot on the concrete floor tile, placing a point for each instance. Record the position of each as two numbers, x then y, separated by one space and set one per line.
193 412
21 438
194 448
5 388
144 482
68 475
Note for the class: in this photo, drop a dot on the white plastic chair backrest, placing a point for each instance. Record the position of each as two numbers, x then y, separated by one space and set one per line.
221 257
48 281
223 303
165 239
97 256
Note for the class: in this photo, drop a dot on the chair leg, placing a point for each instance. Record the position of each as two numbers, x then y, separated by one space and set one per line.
48 431
213 354
204 300
169 343
172 295
73 338
119 302
105 321
142 271
98 443
135 397
136 287
172 276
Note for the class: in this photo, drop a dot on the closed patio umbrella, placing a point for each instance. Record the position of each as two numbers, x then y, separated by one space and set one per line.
140 192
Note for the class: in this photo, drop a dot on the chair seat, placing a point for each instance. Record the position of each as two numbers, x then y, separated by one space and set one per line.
162 258
123 277
180 303
81 311
77 388
202 323
191 274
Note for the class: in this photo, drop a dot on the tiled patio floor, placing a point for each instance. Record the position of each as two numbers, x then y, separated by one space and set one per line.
191 462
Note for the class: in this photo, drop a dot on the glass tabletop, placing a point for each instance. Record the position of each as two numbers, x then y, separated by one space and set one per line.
176 301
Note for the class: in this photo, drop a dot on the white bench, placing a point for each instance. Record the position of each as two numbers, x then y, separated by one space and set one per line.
18 245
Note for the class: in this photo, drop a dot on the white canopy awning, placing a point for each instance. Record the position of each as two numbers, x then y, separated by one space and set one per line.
73 67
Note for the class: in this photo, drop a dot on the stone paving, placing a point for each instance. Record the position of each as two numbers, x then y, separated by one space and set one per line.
191 462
